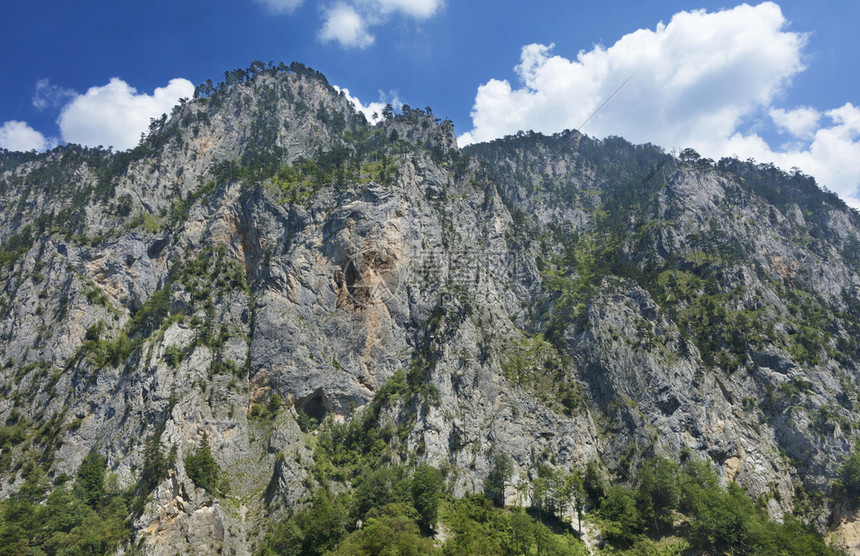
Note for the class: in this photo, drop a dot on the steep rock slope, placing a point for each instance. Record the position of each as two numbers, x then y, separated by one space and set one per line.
265 258
727 314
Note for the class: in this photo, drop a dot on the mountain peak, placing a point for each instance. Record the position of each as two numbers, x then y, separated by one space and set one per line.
272 307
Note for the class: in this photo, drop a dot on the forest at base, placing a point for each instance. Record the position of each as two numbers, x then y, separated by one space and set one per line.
392 509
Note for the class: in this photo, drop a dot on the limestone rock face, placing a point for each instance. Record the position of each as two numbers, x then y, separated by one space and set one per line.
845 530
266 253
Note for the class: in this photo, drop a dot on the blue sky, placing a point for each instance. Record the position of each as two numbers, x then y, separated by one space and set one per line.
773 81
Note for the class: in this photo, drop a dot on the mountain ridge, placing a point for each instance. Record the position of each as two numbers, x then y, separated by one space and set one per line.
266 258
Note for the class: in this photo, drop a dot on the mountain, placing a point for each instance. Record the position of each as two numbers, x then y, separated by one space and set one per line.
273 327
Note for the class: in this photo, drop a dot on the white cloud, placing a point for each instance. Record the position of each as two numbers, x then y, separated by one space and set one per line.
696 81
348 22
116 114
373 110
281 6
704 69
419 9
831 156
19 136
800 122
344 25
48 95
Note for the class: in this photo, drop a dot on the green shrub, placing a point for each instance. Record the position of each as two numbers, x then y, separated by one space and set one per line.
274 403
849 478
380 487
622 521
89 486
314 530
88 519
659 492
202 469
500 473
173 355
391 530
426 489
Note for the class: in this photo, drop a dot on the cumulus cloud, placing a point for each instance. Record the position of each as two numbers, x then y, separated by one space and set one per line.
799 122
706 69
348 23
48 95
344 25
281 6
420 9
831 155
697 81
19 136
373 110
116 114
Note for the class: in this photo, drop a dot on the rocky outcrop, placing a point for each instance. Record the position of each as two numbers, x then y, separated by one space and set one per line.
267 256
844 531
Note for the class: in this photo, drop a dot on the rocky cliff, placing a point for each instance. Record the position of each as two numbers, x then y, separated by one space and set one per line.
266 259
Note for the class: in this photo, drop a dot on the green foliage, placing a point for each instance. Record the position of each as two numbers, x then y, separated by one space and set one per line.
553 491
480 528
696 282
15 246
722 518
849 478
712 518
295 184
203 470
181 206
88 519
570 280
151 314
123 205
173 355
147 319
154 470
594 483
12 435
212 268
397 510
208 274
391 530
622 521
522 532
574 492
427 486
790 538
659 492
537 365
102 353
344 451
91 477
500 473
149 222
97 296
313 531
380 487
359 452
781 190
214 94
306 422
274 404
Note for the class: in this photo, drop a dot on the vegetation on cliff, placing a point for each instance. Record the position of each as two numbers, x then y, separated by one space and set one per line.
274 326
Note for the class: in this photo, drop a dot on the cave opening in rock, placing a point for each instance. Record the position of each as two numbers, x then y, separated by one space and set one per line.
313 406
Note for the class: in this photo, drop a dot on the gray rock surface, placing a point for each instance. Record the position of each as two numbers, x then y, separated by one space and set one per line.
440 263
